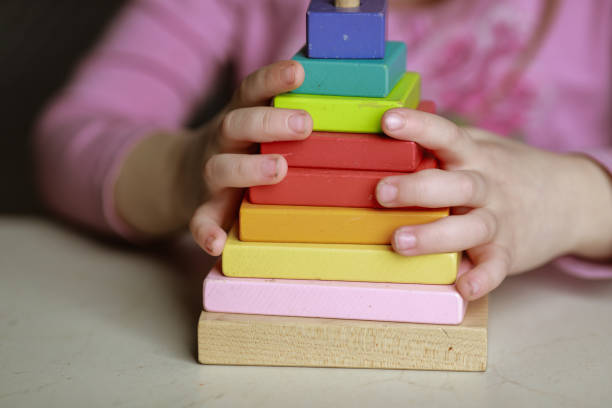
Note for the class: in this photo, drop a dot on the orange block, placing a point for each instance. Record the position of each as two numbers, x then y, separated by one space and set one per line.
327 225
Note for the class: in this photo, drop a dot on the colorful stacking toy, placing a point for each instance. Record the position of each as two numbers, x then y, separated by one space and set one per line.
315 248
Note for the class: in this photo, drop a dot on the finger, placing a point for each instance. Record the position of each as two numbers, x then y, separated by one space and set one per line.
210 220
241 127
243 170
262 85
448 234
206 229
433 188
464 266
492 265
449 142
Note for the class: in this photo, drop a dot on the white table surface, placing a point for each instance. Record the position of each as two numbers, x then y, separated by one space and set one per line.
92 324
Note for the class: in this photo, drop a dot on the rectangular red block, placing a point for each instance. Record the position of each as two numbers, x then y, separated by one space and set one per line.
352 151
427 106
358 151
327 187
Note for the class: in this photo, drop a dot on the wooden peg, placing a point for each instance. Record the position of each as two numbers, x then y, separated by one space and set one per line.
347 3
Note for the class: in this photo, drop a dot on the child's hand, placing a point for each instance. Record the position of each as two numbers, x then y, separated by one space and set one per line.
515 207
222 148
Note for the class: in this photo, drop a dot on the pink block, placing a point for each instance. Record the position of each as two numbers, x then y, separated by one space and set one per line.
393 302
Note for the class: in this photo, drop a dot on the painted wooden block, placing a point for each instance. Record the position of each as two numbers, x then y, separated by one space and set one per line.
373 78
239 339
342 262
337 32
362 151
428 106
357 151
327 187
391 302
327 225
353 113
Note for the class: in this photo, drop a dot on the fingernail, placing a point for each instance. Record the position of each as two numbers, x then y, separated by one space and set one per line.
297 123
270 168
405 240
393 121
387 192
210 244
288 75
474 288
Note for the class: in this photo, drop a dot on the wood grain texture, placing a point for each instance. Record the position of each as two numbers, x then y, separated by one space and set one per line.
236 339
346 3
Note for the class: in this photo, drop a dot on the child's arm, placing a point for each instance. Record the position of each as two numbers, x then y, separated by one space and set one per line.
517 207
166 177
107 147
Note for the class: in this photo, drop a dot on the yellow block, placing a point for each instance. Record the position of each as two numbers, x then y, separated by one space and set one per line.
327 225
353 113
343 262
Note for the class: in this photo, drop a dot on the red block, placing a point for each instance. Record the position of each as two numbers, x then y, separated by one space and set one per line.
356 151
427 106
327 187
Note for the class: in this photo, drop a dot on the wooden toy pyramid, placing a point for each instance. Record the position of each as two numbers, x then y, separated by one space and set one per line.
308 277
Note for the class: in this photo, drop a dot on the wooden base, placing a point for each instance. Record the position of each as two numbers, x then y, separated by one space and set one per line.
238 339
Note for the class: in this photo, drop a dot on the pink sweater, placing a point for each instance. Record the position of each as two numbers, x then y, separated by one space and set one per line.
161 59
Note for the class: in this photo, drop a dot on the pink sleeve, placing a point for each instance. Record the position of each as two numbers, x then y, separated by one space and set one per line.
573 72
149 72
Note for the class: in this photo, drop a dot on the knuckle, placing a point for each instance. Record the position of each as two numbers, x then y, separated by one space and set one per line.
242 168
269 76
267 122
467 186
435 238
195 226
486 225
421 189
225 125
507 257
455 135
210 170
243 90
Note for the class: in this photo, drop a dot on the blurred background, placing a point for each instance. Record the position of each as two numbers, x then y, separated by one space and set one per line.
40 43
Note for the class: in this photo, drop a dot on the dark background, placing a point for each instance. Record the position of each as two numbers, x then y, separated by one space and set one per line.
40 43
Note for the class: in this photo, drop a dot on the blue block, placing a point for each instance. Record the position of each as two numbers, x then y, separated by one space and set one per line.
347 33
372 78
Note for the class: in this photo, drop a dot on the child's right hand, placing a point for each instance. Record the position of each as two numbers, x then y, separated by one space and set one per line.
220 151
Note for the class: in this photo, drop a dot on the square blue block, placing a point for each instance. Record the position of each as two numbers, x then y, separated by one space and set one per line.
358 32
372 78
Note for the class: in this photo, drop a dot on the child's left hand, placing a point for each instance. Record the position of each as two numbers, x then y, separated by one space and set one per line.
515 207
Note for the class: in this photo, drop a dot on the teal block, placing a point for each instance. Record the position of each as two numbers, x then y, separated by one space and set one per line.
373 78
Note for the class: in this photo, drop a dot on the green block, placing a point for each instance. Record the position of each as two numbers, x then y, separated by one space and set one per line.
373 78
353 114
